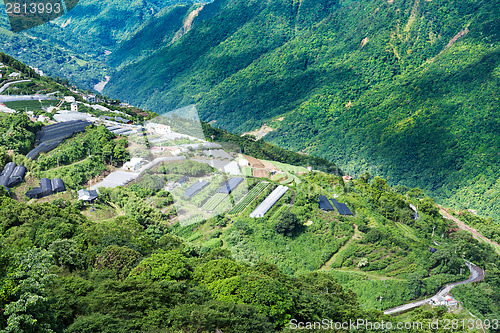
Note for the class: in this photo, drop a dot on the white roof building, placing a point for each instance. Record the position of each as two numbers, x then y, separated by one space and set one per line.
87 195
134 164
158 128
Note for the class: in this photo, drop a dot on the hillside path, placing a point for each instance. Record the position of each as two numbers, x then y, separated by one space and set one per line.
462 226
356 235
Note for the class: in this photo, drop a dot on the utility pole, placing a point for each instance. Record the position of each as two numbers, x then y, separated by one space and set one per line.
434 227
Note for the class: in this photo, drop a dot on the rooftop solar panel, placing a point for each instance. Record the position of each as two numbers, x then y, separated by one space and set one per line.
324 204
341 207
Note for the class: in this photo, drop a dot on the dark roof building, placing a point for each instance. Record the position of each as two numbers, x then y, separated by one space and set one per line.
195 188
182 180
8 169
17 176
231 185
47 187
58 185
123 120
51 136
35 193
324 204
12 174
341 207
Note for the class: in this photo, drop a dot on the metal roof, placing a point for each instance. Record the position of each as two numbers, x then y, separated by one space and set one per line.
269 202
231 185
195 188
341 207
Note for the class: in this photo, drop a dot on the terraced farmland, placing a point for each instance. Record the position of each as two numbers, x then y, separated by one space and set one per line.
247 199
214 201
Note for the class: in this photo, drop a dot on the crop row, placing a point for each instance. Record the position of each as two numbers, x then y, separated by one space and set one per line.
247 199
214 201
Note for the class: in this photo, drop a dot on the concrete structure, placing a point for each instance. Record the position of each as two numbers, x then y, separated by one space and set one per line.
160 129
91 98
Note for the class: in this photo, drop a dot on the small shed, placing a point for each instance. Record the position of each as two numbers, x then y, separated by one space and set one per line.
182 180
87 195
231 185
195 188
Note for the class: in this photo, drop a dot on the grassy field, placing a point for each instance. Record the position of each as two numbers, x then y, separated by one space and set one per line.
369 287
31 105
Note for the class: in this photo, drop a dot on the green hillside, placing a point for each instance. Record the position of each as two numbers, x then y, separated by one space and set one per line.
405 89
126 262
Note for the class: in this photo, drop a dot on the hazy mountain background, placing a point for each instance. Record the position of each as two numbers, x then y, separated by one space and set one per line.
405 89
76 45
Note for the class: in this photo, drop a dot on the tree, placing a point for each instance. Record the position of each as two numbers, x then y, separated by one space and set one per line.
29 310
216 270
119 259
170 265
66 254
288 225
266 294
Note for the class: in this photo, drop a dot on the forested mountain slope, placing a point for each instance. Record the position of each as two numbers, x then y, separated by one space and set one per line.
407 89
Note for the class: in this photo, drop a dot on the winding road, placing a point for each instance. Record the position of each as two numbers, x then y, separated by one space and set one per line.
8 84
477 274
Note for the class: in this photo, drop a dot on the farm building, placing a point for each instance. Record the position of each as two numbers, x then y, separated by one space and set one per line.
195 188
269 202
87 195
231 185
49 137
58 185
47 187
341 207
182 180
12 174
324 204
17 176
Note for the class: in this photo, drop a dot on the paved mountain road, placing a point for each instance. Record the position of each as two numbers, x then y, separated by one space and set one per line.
8 84
477 274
